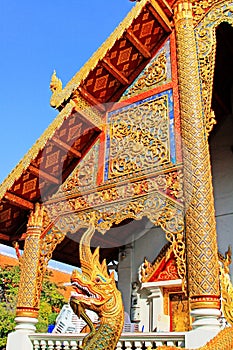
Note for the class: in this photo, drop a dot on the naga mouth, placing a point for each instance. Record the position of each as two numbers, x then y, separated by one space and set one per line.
83 292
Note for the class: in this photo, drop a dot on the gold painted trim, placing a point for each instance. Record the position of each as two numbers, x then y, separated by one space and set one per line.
62 194
205 37
24 312
87 111
205 305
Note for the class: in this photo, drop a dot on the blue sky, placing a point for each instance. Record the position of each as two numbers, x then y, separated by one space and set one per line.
37 37
5 250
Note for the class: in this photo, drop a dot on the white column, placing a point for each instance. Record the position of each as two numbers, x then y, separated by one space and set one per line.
156 306
206 326
19 339
206 319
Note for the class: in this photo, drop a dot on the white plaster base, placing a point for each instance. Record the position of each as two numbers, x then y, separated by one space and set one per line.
19 339
206 319
205 327
199 337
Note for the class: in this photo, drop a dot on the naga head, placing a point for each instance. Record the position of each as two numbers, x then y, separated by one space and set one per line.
94 287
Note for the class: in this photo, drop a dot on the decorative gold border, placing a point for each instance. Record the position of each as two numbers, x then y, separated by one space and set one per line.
206 51
27 312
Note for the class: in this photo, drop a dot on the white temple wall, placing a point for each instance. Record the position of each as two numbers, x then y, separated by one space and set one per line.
147 243
148 246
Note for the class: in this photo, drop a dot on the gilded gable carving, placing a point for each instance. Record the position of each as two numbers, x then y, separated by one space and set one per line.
139 137
156 73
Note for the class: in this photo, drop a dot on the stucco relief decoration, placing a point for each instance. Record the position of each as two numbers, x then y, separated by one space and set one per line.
162 269
201 7
157 207
139 136
156 73
206 48
82 178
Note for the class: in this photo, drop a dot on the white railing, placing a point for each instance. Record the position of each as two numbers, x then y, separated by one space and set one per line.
128 341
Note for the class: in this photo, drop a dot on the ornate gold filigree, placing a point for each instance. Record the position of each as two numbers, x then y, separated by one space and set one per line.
153 74
47 245
169 183
158 208
226 288
206 49
200 7
139 137
201 235
82 178
91 113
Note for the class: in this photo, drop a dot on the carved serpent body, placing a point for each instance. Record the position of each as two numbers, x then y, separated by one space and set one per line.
96 290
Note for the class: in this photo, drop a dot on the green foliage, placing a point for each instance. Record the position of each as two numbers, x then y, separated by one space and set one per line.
50 303
9 280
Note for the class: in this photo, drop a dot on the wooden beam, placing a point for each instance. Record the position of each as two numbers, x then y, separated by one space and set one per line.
160 15
91 99
18 201
43 174
137 43
115 72
66 147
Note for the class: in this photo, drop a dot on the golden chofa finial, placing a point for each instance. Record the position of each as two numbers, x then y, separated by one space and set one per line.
55 83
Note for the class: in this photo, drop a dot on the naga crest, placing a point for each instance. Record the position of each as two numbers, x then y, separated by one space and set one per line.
96 290
94 287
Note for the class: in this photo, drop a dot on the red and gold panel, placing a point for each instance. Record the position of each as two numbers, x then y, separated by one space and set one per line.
124 56
101 84
27 186
10 218
147 29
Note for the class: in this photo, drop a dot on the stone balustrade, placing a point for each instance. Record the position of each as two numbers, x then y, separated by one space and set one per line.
128 341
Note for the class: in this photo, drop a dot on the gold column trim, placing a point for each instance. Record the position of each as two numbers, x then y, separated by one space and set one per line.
202 257
29 290
42 238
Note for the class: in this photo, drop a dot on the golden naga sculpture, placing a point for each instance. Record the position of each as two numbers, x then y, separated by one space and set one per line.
56 83
96 290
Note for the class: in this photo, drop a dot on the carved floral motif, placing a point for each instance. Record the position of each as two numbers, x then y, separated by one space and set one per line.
139 136
157 72
82 178
158 208
206 49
